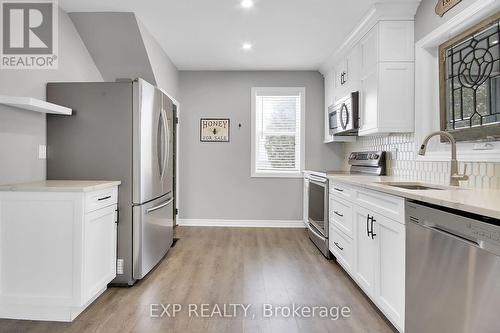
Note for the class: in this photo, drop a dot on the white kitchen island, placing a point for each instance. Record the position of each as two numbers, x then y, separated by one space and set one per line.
57 247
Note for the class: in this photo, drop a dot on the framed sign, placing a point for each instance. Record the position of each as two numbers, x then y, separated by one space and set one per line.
214 129
443 6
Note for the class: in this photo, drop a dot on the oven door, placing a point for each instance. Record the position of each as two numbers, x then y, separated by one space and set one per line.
318 204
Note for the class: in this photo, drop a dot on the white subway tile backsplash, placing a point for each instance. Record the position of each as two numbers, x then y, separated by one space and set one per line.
401 161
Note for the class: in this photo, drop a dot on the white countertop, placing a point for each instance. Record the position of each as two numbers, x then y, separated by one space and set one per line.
482 202
60 186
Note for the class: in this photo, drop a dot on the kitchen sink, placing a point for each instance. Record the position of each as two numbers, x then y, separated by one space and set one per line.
417 186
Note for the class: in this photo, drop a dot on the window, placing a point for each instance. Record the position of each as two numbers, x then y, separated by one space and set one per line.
278 132
470 82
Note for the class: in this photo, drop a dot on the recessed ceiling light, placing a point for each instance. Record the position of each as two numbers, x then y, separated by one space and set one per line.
246 46
247 3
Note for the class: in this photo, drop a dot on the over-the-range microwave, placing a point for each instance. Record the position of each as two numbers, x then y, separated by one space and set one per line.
343 116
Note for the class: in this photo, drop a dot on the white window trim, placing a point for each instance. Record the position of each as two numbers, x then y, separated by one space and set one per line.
427 86
278 90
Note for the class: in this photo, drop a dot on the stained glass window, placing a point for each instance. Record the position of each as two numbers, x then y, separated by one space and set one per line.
470 82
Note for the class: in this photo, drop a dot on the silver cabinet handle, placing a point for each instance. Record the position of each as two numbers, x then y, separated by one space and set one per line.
338 189
160 206
337 245
341 215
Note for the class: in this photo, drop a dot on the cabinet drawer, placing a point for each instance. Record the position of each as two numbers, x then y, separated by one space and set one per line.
341 215
102 198
340 189
388 205
341 246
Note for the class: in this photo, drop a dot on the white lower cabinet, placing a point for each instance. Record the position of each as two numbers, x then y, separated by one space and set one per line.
390 269
364 252
58 251
341 246
99 256
375 254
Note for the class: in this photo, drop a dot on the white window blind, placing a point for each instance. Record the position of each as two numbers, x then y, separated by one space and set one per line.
277 131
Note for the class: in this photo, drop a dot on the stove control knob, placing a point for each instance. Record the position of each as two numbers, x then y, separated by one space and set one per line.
375 156
370 156
352 157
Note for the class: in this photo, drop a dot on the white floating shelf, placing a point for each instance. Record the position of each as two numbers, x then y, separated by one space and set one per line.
33 104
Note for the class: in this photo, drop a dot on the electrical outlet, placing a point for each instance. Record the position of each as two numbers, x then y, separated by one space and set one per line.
119 266
42 152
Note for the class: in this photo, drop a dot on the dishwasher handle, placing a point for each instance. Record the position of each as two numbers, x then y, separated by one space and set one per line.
449 233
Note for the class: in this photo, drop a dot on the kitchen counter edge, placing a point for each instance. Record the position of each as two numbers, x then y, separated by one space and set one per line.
477 201
60 186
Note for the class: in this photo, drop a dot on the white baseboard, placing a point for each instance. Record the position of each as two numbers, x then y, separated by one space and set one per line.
241 223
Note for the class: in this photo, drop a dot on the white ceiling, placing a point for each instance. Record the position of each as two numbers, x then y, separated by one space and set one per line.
208 34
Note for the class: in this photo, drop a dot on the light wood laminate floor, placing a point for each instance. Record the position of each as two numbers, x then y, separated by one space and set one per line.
228 265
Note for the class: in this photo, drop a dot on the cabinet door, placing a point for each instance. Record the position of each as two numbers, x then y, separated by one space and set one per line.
365 251
395 97
329 89
353 69
390 279
396 41
340 80
369 48
99 251
369 103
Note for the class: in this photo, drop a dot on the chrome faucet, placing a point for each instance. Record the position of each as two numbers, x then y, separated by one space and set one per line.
455 177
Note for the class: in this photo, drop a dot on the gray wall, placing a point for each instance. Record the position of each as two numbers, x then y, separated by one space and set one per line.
122 47
427 20
164 70
215 180
115 43
22 131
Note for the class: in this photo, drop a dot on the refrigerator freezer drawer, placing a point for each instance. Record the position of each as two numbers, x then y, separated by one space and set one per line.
153 233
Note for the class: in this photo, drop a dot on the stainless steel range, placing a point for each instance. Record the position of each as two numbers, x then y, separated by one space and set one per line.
361 163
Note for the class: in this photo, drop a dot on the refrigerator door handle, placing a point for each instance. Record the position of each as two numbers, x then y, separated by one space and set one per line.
165 143
159 142
160 206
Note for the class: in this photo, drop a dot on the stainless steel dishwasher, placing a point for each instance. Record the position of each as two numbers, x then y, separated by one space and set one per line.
452 271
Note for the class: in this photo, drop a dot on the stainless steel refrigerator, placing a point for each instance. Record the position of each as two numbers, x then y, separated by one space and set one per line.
120 131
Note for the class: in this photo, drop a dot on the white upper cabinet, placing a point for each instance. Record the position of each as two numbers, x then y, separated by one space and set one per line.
347 74
387 75
377 59
330 90
396 41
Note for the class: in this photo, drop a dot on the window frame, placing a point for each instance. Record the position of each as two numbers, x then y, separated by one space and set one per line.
470 133
270 91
